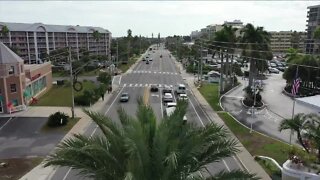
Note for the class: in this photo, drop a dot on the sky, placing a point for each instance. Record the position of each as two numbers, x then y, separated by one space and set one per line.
165 17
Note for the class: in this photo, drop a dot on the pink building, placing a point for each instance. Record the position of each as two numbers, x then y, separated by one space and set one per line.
19 83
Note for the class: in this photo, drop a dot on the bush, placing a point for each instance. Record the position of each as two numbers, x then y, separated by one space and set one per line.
82 100
57 119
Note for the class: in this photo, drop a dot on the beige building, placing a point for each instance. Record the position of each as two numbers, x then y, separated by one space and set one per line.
34 41
20 83
280 41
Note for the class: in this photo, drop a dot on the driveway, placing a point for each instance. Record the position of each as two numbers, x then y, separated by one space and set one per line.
20 137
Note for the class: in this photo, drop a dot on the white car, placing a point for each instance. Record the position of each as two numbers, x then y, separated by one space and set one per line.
183 97
167 97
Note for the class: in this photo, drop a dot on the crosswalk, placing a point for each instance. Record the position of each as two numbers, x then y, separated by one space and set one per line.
147 85
155 72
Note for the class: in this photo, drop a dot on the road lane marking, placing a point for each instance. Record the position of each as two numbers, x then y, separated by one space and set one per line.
120 80
161 104
130 85
5 123
135 85
140 85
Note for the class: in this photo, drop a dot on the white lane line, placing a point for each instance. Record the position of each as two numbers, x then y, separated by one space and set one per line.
95 129
146 85
124 85
196 112
112 80
135 85
130 85
161 108
224 162
120 80
140 85
5 123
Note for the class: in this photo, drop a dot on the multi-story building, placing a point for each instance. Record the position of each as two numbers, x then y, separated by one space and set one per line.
209 30
281 41
34 41
19 83
313 22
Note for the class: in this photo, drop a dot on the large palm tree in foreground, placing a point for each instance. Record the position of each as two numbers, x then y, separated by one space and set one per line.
143 149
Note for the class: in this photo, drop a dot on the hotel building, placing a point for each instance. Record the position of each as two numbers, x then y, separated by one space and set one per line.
34 41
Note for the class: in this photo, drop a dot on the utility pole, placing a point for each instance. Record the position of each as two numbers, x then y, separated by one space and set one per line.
117 61
140 44
201 58
71 81
221 73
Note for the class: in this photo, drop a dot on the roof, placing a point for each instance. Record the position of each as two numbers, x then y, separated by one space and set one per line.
312 101
51 28
7 56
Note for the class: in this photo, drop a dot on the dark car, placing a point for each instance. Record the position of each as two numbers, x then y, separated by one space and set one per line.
154 88
144 59
124 97
161 56
147 62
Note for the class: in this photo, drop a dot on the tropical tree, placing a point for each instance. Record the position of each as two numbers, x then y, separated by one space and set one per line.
96 35
297 125
255 41
227 37
316 35
295 39
4 31
141 148
313 131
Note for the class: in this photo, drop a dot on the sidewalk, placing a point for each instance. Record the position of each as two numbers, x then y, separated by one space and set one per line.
40 173
245 158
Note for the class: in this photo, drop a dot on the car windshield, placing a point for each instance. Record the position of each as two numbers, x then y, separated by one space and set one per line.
124 95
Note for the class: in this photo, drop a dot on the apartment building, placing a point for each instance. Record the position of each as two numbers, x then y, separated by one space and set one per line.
281 41
20 83
35 41
313 22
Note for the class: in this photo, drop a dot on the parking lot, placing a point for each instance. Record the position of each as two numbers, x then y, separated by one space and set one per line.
20 137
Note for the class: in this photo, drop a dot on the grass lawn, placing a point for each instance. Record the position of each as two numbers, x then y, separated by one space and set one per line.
270 168
255 143
17 167
125 67
61 95
65 128
211 93
60 74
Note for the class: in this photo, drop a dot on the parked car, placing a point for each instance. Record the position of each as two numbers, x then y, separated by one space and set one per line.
273 70
144 59
183 97
147 62
150 59
161 56
124 97
167 97
154 88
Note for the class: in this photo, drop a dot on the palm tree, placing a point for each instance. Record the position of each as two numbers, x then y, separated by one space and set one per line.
295 39
297 125
254 39
313 131
96 35
141 148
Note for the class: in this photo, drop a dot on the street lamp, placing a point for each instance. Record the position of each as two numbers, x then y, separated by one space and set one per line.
253 88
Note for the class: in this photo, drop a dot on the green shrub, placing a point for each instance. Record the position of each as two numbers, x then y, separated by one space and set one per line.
57 119
82 100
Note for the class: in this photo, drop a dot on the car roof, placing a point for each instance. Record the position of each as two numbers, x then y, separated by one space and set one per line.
124 93
182 95
168 94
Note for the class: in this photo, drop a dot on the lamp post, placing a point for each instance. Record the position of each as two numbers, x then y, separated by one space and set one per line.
254 103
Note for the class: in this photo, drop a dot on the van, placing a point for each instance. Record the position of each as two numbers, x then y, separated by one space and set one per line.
181 89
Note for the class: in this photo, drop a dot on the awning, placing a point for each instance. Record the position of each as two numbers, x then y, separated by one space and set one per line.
312 101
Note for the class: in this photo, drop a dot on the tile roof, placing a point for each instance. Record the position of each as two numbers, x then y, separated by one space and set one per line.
51 28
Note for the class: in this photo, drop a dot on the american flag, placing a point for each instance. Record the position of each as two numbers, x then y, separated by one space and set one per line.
295 86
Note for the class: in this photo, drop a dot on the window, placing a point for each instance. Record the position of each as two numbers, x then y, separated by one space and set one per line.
13 88
11 70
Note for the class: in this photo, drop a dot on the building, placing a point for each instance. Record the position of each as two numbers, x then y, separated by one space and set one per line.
209 30
35 41
281 41
313 21
19 83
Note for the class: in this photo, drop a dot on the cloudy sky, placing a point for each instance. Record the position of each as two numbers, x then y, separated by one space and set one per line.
166 17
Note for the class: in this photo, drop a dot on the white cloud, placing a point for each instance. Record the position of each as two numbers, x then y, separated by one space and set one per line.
166 17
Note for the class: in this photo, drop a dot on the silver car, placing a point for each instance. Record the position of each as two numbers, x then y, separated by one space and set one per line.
124 97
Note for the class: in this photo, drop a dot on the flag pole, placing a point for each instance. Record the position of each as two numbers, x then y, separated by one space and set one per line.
294 101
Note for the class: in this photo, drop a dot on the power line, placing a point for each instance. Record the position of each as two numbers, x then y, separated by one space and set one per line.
266 60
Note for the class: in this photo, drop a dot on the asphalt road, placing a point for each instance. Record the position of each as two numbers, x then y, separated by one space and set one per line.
160 71
266 120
